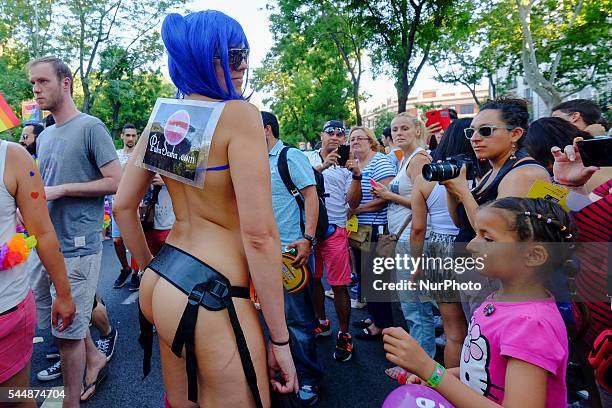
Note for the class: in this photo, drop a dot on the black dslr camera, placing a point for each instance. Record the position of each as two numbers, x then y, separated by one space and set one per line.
449 169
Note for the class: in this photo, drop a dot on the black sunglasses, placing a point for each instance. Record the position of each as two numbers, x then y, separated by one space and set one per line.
331 130
485 131
236 56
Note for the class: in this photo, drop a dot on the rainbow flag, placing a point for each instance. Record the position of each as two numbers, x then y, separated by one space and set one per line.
8 119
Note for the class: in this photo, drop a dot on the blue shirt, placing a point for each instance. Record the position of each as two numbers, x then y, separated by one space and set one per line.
286 210
378 168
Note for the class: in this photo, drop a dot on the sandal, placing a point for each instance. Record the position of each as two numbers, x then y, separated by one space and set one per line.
101 377
366 334
362 324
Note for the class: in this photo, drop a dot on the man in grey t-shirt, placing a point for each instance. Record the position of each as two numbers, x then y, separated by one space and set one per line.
79 166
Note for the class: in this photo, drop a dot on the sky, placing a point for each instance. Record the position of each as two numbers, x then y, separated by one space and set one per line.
254 18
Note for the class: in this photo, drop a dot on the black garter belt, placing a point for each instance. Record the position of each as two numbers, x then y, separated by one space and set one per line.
204 287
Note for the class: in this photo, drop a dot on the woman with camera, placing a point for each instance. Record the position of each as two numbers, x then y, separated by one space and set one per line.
496 135
368 166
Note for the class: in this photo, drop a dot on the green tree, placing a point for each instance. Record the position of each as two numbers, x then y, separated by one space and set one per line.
328 25
560 47
89 26
305 75
382 120
304 98
565 45
404 34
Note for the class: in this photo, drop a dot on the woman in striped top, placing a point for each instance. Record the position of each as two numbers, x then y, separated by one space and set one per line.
370 211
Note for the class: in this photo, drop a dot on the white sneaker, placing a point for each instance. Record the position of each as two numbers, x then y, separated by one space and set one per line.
51 373
329 293
356 304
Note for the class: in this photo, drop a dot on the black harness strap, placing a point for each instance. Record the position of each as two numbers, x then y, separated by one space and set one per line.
243 351
146 342
205 287
214 295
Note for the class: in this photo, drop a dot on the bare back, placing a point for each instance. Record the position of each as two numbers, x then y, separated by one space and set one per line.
207 221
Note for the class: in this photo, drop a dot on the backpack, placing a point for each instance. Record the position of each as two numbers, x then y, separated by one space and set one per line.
323 222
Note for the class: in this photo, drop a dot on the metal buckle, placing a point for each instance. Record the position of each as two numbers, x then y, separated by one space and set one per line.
218 289
196 295
295 192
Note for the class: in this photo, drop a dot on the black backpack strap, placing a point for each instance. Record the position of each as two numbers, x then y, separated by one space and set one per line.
283 171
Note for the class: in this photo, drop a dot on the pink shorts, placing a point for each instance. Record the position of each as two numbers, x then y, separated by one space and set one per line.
334 254
17 330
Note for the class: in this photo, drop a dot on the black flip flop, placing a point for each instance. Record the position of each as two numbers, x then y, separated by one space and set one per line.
362 324
102 374
366 334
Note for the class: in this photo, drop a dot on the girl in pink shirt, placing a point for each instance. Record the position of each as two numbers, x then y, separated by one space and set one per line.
516 350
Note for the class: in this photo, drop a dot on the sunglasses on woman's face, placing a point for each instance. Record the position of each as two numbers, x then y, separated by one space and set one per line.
485 131
236 56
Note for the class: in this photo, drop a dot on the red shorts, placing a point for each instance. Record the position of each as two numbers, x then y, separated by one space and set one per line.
333 253
155 240
17 330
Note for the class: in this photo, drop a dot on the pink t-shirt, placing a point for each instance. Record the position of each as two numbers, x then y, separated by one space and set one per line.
530 331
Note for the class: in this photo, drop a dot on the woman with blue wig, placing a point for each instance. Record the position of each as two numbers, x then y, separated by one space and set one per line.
224 234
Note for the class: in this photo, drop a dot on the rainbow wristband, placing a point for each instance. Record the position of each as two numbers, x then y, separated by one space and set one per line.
436 376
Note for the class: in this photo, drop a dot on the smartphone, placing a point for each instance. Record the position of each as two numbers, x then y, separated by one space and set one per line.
343 151
440 116
596 151
373 183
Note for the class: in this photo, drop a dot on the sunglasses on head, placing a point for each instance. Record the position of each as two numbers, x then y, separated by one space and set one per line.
485 131
331 130
236 56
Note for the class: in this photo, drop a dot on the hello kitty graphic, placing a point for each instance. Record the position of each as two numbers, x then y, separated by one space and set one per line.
474 368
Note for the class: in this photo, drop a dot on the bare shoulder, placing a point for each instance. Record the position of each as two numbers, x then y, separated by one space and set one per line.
241 118
16 153
529 172
416 164
239 107
518 182
18 164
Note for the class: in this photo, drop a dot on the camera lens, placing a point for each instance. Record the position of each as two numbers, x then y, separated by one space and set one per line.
440 171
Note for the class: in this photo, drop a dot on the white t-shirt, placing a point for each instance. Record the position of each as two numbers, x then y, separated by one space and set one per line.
164 213
123 157
337 183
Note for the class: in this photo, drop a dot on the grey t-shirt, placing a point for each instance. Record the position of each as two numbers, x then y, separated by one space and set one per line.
73 152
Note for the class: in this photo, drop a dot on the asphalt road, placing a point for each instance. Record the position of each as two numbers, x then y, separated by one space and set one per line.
360 382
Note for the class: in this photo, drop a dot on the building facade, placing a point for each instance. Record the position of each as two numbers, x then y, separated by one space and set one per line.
458 98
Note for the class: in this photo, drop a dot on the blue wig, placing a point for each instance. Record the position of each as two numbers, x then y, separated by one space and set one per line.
192 42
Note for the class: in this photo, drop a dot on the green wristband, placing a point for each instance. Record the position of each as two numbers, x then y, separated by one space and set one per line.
436 376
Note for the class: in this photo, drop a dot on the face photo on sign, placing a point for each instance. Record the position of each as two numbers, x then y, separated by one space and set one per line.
179 135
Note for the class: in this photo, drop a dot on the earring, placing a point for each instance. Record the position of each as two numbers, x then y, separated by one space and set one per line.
513 152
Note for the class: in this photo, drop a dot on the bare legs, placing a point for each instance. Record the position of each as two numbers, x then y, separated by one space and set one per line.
342 303
455 329
21 379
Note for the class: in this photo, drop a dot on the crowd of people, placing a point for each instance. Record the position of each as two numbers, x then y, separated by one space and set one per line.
210 262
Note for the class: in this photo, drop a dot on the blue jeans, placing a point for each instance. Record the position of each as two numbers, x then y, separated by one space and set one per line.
301 322
417 311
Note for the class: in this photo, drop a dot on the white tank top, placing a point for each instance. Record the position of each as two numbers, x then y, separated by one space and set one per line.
14 282
402 185
439 220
